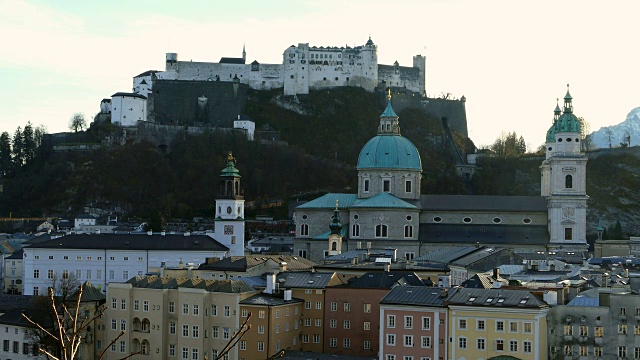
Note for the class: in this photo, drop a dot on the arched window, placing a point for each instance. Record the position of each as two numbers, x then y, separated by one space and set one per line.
408 231
304 230
334 246
381 230
355 230
568 181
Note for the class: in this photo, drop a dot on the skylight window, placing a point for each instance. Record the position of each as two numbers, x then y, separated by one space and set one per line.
471 299
489 300
501 300
523 301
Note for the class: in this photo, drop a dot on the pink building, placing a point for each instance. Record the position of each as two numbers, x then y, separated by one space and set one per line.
413 324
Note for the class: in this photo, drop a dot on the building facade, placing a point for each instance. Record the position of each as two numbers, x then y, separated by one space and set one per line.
171 318
107 258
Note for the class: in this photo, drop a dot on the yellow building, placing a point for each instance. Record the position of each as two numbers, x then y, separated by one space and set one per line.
485 323
174 318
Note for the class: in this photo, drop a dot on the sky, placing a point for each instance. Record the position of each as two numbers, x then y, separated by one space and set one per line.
510 59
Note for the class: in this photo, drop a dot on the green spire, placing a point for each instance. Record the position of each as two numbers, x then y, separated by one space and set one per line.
389 124
335 226
388 111
230 170
568 108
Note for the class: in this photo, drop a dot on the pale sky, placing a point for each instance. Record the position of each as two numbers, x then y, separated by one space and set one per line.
511 59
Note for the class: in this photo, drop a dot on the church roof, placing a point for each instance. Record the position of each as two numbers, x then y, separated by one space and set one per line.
388 111
388 151
329 201
484 203
231 60
383 200
484 234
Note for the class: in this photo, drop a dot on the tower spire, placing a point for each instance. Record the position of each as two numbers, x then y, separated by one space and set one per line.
244 53
557 111
568 107
389 119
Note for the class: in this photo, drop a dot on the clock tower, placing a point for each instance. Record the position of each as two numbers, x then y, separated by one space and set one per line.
229 219
564 174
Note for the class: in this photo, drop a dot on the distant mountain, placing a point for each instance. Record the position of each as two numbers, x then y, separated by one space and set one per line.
631 126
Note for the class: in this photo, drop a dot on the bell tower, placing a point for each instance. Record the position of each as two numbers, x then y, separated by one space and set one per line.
564 182
229 218
335 239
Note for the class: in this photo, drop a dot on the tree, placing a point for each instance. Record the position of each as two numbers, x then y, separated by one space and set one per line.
608 133
28 143
77 122
509 145
18 148
5 154
627 138
67 328
585 134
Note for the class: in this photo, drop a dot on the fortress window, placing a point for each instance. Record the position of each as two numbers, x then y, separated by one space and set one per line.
381 230
408 231
407 186
304 230
336 78
292 76
467 220
437 219
568 181
386 185
568 233
325 79
355 230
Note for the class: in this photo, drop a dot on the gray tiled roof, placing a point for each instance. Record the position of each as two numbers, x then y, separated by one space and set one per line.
133 242
146 73
90 293
447 255
478 255
494 298
156 282
268 300
230 60
12 302
304 280
129 95
484 203
386 280
416 295
16 254
242 263
484 234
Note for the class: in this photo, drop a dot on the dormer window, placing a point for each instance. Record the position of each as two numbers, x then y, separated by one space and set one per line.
386 185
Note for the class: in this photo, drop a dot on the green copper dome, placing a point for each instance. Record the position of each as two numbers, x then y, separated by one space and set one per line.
230 170
567 122
389 152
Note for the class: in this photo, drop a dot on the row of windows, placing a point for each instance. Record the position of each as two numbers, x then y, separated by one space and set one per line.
408 341
513 326
386 183
596 351
346 343
425 322
88 274
499 345
26 347
468 220
87 258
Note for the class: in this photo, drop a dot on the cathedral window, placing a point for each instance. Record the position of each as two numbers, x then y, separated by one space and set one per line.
437 219
366 185
467 220
568 233
355 230
408 231
568 181
407 186
381 230
386 185
334 246
304 230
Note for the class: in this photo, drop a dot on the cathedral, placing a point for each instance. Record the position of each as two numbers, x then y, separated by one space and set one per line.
389 212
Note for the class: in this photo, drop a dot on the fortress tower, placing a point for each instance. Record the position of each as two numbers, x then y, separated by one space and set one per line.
229 220
564 181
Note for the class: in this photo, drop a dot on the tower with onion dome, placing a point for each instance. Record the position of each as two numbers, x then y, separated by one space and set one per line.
229 218
564 182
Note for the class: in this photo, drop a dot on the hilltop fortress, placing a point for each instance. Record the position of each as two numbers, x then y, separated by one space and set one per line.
303 68
214 94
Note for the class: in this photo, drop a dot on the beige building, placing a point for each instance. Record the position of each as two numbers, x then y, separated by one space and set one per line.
13 273
275 323
174 318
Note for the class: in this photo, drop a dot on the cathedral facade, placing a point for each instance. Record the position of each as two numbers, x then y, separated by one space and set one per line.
388 211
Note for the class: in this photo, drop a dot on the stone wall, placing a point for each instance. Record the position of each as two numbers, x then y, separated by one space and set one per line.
163 135
196 103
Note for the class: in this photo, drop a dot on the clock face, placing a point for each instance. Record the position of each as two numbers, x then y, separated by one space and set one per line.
228 229
568 213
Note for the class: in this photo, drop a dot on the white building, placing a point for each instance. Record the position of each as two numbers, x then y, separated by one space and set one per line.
128 108
106 258
16 341
244 122
84 220
229 220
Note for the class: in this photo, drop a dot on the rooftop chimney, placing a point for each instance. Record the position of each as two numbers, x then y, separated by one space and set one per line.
271 284
496 273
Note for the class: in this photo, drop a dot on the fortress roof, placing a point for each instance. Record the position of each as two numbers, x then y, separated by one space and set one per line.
230 60
125 94
147 73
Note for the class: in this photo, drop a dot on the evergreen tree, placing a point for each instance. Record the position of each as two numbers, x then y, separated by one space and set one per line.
18 148
5 154
28 143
